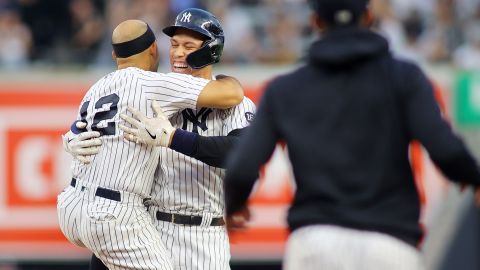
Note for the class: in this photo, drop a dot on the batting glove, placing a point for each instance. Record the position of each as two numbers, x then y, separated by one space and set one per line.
82 146
156 131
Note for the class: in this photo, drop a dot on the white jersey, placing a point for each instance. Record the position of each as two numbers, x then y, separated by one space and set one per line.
122 165
185 185
119 230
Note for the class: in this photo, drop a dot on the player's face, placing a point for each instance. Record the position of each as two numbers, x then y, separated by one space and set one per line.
182 44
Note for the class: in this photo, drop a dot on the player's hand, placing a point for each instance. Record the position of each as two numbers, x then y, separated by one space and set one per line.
157 131
82 146
238 220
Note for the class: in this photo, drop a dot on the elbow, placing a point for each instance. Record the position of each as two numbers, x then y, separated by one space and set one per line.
233 101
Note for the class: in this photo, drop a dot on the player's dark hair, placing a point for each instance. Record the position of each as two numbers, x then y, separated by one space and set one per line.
134 46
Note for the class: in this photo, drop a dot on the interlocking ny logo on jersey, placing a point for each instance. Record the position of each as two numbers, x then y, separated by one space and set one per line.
186 17
190 116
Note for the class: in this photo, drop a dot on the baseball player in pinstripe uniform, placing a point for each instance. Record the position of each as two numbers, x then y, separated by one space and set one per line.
103 207
187 194
188 201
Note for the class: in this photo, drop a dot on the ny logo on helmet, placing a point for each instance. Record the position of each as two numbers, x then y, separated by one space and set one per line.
186 17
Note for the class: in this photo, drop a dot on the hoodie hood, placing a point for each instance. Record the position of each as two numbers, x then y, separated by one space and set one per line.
347 46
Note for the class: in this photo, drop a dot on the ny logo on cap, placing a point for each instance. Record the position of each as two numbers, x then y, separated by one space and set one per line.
186 17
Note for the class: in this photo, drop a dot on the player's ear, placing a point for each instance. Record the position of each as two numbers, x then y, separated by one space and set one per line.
114 56
153 49
317 24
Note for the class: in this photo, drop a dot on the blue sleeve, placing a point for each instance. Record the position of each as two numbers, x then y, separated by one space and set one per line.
426 124
211 150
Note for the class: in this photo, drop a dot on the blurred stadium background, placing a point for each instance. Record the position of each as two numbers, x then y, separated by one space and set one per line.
52 50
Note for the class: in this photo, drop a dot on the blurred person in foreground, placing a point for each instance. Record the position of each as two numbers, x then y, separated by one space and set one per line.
347 117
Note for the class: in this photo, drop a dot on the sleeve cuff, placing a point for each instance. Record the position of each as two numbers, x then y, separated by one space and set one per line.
184 141
76 130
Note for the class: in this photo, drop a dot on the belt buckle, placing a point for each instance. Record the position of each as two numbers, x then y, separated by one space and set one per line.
147 202
173 218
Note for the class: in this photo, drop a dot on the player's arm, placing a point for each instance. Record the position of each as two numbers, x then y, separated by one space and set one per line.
211 150
176 92
425 123
253 150
158 131
223 93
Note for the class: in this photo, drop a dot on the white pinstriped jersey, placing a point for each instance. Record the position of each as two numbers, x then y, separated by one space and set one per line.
122 165
185 185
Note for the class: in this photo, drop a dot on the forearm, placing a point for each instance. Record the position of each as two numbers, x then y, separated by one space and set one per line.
426 124
212 150
239 181
243 166
461 168
253 150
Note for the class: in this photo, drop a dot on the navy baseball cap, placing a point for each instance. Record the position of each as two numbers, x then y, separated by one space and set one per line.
339 12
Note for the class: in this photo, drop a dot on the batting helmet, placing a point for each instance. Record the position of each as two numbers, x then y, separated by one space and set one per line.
206 24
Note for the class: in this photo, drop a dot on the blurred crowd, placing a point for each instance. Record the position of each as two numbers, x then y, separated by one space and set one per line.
77 32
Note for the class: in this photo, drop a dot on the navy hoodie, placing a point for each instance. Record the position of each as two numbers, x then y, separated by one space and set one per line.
348 117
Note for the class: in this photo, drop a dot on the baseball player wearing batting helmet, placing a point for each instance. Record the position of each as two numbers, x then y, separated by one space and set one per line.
351 117
203 23
188 202
187 197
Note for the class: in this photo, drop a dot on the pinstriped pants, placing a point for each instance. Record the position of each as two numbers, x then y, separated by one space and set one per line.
120 234
201 247
328 247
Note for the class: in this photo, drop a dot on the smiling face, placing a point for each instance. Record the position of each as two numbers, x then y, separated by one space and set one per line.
182 44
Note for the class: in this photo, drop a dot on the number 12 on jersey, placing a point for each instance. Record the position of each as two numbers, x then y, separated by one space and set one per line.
107 127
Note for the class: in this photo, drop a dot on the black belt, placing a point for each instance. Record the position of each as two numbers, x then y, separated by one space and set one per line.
102 192
187 220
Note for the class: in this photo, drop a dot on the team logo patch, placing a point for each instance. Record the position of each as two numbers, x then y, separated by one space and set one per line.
249 116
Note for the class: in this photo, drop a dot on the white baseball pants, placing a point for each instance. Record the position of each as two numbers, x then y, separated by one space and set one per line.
120 234
337 248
